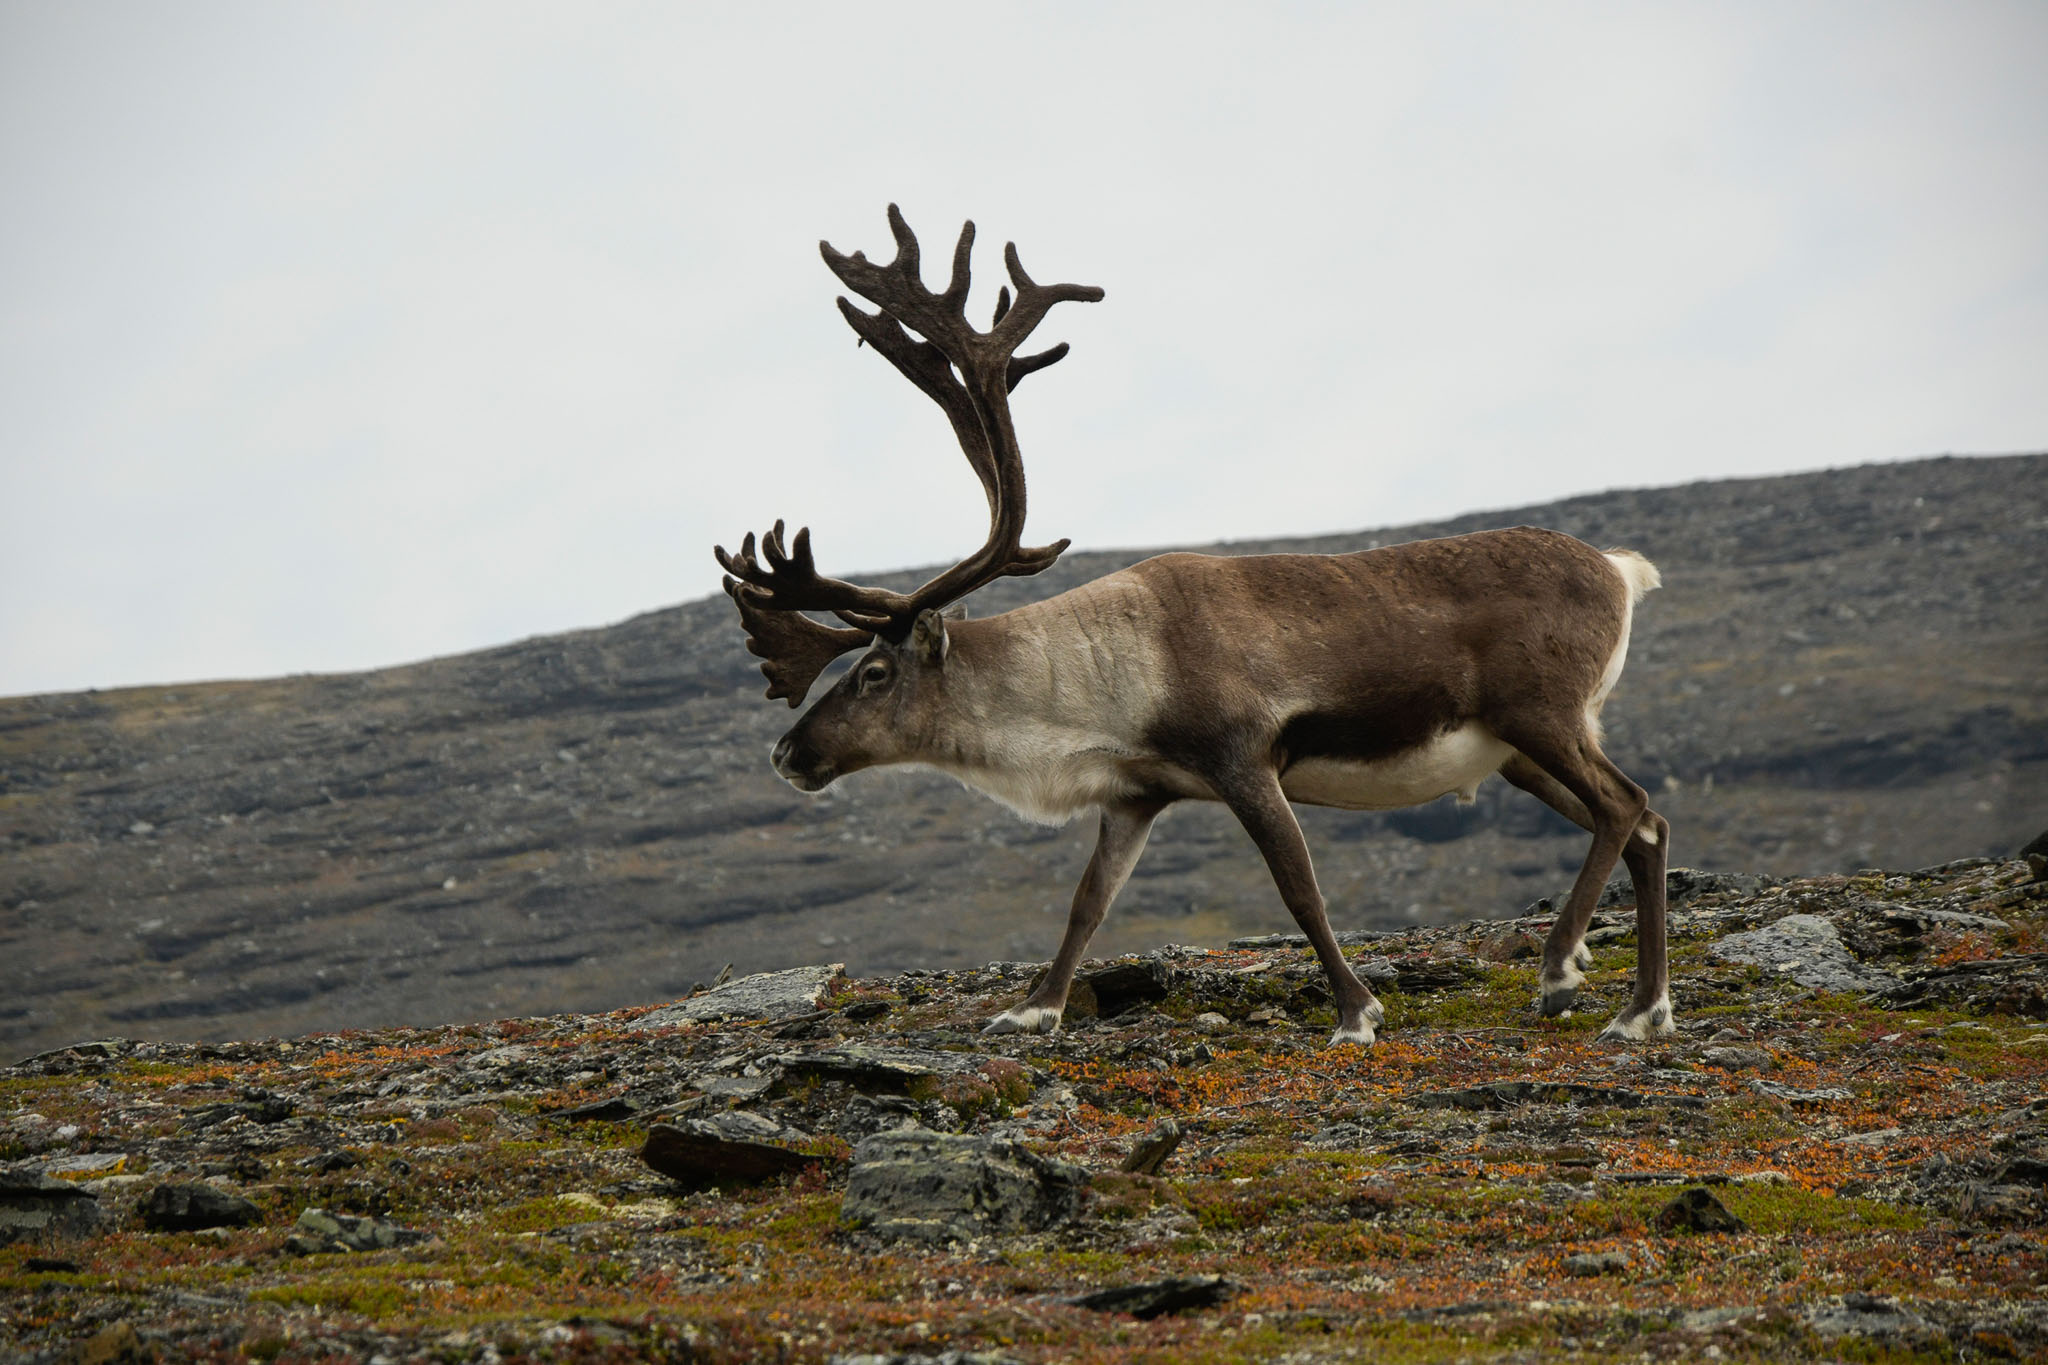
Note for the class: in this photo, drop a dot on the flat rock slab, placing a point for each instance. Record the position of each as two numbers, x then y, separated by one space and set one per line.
1684 883
1864 1315
734 1146
189 1206
1348 938
2016 984
766 995
1176 1294
1505 1094
33 1205
1924 917
1805 948
878 1068
1792 1094
931 1187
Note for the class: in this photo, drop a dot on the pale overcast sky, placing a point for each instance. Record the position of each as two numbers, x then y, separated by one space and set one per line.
336 336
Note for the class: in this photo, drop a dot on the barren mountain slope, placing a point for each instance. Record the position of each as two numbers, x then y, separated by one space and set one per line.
1843 669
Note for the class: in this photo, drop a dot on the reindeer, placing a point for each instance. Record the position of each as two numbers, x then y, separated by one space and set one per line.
1366 681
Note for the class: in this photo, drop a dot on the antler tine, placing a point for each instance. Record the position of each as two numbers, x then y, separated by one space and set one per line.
1034 301
956 288
790 582
795 648
909 255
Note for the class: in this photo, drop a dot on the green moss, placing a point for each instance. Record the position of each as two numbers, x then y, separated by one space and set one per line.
540 1215
1788 1209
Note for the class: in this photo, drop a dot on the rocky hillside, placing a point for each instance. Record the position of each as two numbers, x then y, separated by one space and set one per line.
1843 670
1841 1155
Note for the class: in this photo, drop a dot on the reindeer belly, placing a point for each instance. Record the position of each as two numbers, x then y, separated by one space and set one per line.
1457 760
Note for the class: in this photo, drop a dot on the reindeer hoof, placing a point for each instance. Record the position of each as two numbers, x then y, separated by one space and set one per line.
1557 1004
1363 1035
1639 1024
1025 1019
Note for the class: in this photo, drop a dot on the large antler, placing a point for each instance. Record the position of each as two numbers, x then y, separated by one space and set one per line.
976 402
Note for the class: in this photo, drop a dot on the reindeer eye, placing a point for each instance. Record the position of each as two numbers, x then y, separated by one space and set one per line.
875 673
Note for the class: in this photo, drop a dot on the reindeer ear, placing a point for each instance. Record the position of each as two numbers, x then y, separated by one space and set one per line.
928 637
956 612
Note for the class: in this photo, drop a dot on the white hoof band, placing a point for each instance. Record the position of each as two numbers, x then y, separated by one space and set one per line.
1363 1035
1634 1028
1025 1019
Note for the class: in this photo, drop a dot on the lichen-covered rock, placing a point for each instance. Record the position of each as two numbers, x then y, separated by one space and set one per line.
765 995
320 1231
1806 948
934 1187
33 1205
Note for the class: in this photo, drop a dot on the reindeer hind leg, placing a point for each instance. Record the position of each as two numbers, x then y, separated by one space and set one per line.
1565 955
1644 835
1649 1009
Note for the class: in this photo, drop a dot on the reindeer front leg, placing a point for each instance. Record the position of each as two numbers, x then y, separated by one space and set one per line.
1117 846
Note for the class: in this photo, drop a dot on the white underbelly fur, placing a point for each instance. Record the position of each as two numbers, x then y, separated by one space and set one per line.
1455 761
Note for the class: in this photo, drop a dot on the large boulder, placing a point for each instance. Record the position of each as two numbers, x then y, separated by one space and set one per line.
934 1187
35 1206
1806 948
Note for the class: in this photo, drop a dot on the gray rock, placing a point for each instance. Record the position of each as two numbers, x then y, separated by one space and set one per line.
734 1089
65 1058
1684 883
1792 1094
33 1205
1150 1154
765 995
1805 948
187 1206
878 1068
731 1146
1738 1058
1921 918
1175 1294
320 1231
1349 938
1596 1263
1863 1315
931 1187
1697 1211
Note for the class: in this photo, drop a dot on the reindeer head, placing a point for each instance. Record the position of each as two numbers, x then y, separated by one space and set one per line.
886 709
